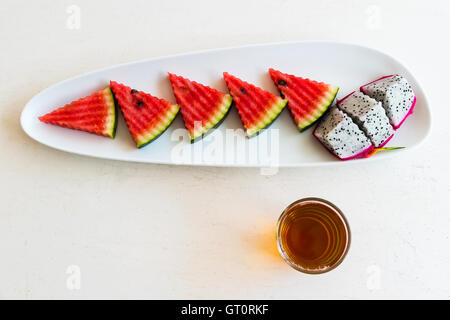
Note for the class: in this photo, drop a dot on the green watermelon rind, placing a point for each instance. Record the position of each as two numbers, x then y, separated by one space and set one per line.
215 120
320 109
271 115
215 126
111 129
149 137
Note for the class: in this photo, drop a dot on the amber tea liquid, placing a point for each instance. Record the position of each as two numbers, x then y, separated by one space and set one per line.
313 235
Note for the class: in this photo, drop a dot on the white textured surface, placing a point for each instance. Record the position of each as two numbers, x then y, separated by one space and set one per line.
153 231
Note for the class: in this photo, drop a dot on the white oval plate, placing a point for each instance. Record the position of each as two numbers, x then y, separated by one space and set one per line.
344 65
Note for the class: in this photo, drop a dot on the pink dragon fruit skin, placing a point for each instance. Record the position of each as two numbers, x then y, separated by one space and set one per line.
369 115
362 154
397 97
341 136
343 99
384 143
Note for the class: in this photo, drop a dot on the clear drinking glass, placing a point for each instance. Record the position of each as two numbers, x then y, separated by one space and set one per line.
313 235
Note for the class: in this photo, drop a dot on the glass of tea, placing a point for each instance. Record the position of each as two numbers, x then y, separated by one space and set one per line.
313 235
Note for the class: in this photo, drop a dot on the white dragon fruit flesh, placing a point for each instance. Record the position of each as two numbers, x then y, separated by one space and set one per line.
369 115
396 95
341 136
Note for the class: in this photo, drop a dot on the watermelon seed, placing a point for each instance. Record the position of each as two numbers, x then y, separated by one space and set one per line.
134 91
243 91
140 103
282 82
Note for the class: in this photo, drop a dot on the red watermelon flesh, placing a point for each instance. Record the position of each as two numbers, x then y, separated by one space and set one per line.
256 107
147 117
202 107
95 114
307 99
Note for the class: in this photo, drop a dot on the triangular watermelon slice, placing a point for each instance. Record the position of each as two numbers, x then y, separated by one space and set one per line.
95 114
202 107
256 107
307 99
147 117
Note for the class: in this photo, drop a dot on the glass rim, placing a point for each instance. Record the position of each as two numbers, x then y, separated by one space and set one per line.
334 208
